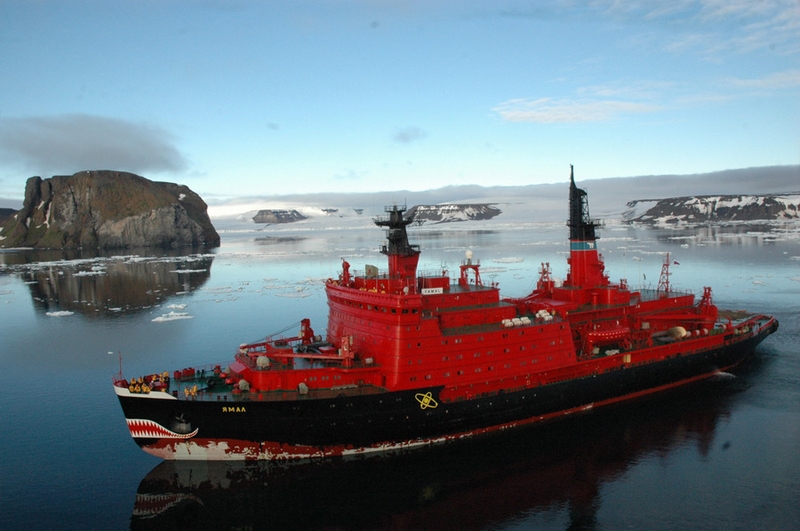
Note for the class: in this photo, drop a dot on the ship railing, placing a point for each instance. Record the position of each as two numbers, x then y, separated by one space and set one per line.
383 274
648 294
199 371
433 273
389 209
241 398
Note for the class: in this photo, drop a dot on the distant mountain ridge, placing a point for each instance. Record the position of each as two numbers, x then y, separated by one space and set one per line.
535 202
714 208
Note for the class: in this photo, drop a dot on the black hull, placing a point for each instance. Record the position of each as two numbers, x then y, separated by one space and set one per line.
251 429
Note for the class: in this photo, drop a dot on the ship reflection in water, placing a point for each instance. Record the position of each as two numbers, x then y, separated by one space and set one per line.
556 471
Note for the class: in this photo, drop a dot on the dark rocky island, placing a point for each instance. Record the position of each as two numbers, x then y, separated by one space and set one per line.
108 210
278 216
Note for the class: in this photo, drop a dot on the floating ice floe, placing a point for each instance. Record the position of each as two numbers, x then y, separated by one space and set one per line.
88 273
172 316
294 295
175 306
62 313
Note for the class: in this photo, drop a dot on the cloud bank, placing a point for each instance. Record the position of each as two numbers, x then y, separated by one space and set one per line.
68 143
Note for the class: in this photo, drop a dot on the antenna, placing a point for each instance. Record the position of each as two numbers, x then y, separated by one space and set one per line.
663 280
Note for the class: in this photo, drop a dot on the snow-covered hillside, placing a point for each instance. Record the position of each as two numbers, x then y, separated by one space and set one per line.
719 208
448 213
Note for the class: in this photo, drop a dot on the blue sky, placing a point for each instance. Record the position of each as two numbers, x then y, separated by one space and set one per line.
240 98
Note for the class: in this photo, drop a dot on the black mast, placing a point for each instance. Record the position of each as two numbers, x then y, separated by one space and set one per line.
581 228
396 234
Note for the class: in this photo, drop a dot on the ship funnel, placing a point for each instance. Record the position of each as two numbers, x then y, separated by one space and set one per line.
586 266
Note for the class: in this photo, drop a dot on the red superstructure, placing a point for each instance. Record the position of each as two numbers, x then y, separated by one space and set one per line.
410 359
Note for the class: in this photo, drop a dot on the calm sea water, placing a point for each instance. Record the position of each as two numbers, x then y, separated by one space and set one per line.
721 455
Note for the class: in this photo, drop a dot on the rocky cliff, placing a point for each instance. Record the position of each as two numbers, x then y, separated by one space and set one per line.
717 208
107 210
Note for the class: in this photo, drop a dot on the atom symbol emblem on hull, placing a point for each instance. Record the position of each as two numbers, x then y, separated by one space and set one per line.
426 400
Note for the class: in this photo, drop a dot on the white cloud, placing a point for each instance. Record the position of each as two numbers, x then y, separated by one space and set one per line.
349 175
547 110
713 26
635 90
778 80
